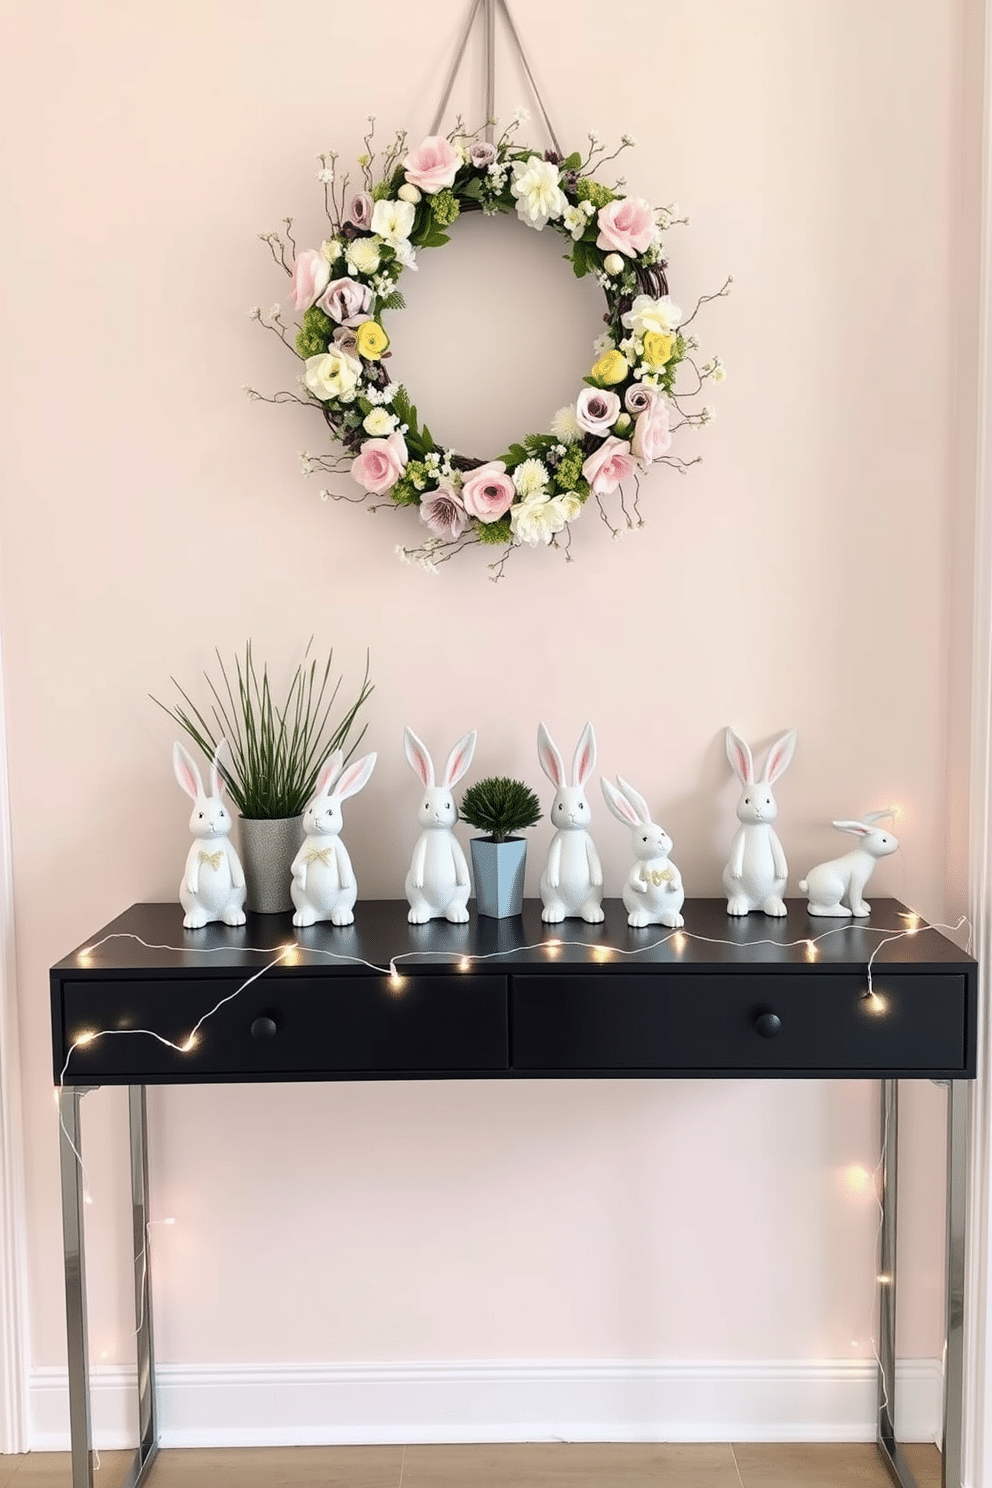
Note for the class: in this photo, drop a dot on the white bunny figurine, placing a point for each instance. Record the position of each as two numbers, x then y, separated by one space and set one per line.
213 882
572 881
836 889
756 873
323 884
438 883
653 893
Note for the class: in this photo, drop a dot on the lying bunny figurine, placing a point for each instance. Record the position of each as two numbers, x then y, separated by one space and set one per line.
836 888
653 893
756 873
438 883
572 881
213 882
324 885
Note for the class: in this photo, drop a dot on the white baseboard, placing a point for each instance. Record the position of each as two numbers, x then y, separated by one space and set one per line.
529 1400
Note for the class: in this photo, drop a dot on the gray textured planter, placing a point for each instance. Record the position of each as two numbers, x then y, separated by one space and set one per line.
498 869
268 848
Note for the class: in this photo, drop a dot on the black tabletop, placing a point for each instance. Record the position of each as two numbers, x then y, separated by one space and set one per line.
151 936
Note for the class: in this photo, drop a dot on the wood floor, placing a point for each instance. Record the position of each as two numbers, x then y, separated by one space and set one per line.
545 1465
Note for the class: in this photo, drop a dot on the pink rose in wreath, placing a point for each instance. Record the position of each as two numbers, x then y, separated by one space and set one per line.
380 463
652 435
346 301
609 465
640 398
626 226
444 512
488 492
596 411
311 272
433 165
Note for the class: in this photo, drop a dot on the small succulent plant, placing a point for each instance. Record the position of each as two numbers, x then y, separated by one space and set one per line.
500 807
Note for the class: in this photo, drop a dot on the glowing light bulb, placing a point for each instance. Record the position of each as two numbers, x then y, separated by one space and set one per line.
190 1043
678 940
603 953
396 982
876 1004
290 954
884 1279
87 1197
465 964
83 1038
552 947
810 951
856 1179
912 923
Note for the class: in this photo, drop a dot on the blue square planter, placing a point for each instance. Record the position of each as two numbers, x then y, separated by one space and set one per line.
498 871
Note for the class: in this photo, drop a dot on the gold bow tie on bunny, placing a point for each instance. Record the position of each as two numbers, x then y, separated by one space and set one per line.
319 855
214 859
658 876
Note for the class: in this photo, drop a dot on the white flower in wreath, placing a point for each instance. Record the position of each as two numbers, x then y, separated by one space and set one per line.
565 426
575 221
379 423
647 314
530 478
539 517
393 221
363 256
537 187
334 374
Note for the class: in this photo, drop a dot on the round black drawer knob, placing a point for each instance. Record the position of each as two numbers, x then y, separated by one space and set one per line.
264 1028
768 1024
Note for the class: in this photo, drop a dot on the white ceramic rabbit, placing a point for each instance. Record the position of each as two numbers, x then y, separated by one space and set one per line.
438 883
213 882
653 893
836 889
572 881
756 873
323 884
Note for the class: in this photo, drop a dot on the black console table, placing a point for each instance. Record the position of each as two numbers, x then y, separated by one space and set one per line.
749 998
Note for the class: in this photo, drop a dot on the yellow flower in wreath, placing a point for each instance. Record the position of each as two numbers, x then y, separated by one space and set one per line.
371 340
611 368
658 348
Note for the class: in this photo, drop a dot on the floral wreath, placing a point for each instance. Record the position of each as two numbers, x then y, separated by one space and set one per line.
621 422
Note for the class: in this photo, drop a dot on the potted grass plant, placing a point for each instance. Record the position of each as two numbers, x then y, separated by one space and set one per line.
501 808
278 742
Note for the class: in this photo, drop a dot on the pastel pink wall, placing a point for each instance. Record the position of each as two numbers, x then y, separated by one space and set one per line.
799 577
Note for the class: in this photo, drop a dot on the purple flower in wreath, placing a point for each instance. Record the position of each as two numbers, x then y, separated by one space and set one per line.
359 212
444 512
482 154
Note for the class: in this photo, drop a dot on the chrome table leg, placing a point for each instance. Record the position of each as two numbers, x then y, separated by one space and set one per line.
74 1251
147 1424
958 1120
958 1109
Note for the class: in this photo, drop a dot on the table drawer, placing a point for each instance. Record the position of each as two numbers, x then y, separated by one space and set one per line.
285 1027
749 1024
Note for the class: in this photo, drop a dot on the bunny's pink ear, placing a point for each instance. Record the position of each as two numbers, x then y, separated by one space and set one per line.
459 759
584 759
637 801
618 804
551 761
329 772
186 772
856 828
355 777
779 756
418 757
739 756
